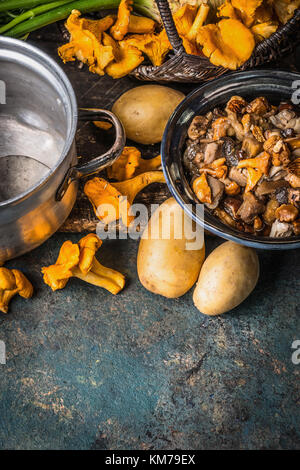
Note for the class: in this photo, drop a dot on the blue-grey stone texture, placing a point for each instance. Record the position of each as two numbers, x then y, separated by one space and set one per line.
89 370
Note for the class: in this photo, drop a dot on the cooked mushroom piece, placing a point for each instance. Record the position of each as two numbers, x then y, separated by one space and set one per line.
285 105
294 197
268 187
258 224
220 128
231 151
277 173
225 217
281 195
236 125
250 208
294 143
231 187
293 180
296 227
281 230
238 175
211 152
236 104
247 172
198 127
286 213
202 189
193 156
217 191
283 119
231 206
251 146
288 133
269 213
258 106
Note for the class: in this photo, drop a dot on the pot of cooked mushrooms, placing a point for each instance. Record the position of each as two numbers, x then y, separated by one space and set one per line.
234 146
38 160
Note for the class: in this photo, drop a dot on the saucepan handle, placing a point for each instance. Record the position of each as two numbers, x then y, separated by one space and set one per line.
101 162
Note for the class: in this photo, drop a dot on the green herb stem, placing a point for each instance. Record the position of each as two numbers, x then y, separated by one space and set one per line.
46 12
29 14
7 5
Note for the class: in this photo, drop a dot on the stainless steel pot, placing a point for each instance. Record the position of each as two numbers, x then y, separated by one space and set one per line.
38 118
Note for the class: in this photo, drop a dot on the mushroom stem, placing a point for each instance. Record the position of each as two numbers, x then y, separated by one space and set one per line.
150 164
199 21
132 187
101 270
6 298
101 276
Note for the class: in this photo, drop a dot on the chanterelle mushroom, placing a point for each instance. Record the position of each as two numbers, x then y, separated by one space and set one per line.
155 46
228 44
125 57
247 6
78 260
121 27
202 189
85 43
285 9
112 201
11 283
131 164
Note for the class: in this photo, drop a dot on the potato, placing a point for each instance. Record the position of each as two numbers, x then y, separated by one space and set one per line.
145 111
165 265
227 277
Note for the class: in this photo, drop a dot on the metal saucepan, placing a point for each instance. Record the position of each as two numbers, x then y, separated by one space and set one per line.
39 170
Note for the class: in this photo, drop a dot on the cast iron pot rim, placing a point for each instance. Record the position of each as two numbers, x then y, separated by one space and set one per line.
41 57
253 241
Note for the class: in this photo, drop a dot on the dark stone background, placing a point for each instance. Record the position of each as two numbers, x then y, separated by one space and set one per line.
87 370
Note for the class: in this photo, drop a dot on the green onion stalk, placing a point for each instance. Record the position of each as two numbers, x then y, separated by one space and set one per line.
30 14
35 14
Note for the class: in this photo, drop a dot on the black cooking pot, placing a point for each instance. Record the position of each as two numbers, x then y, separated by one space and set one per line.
276 86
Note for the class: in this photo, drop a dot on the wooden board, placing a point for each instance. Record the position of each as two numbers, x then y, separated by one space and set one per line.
94 91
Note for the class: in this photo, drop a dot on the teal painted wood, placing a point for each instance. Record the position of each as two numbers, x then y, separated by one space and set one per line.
88 370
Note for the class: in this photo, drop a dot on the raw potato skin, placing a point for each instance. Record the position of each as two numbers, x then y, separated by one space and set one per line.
228 276
165 267
145 111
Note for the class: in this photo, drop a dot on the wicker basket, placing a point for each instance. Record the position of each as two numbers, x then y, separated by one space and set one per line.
183 67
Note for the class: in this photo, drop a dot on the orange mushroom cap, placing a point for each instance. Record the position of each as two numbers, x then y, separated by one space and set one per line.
57 275
260 163
85 42
121 26
228 44
131 164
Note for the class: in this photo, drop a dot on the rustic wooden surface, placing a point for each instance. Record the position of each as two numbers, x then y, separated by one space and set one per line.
94 91
89 370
